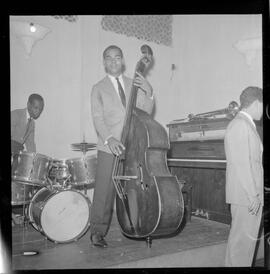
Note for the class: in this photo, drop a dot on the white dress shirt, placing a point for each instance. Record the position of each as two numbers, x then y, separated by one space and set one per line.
249 117
114 81
27 117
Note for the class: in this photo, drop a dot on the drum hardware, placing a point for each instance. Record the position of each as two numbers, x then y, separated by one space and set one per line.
57 185
59 175
21 195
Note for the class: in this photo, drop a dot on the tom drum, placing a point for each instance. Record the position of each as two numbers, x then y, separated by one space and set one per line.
82 170
30 168
21 193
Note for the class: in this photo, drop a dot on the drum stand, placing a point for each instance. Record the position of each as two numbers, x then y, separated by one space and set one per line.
25 221
53 184
24 205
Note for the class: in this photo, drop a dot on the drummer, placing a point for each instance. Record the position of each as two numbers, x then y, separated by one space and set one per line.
23 124
23 130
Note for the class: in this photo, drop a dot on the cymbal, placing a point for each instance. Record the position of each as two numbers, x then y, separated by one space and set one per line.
88 149
83 146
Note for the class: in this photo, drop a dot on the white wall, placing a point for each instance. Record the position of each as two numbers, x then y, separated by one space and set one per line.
63 67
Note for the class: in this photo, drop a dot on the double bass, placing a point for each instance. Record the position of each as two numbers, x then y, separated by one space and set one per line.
149 200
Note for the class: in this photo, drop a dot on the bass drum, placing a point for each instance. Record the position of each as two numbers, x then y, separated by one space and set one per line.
62 216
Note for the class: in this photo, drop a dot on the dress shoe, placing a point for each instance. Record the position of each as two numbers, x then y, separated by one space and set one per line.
98 240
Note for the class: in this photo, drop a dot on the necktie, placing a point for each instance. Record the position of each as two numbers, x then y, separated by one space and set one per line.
121 92
27 130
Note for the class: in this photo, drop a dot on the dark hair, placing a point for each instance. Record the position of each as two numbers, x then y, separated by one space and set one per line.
249 95
35 96
112 47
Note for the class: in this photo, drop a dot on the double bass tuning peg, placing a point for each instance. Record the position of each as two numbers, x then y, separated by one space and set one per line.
146 50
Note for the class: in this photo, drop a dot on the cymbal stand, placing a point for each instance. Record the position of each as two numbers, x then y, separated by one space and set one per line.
64 184
50 182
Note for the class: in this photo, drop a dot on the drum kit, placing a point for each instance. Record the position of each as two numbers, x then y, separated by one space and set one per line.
48 190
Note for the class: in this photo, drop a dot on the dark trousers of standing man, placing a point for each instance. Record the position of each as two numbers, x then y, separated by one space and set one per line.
104 194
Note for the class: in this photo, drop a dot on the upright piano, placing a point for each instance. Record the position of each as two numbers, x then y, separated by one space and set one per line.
197 156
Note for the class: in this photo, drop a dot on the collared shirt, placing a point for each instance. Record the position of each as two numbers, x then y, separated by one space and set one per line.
248 116
27 119
27 115
114 81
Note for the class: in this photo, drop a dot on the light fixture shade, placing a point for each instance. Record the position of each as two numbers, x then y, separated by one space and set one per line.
28 38
249 47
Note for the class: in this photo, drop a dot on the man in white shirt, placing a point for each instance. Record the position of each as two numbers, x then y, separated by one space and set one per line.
109 99
244 179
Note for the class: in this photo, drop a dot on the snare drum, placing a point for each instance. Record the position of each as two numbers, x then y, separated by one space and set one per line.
31 168
59 173
62 216
22 193
82 170
59 170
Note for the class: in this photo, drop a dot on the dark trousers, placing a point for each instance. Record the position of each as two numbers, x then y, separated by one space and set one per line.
104 194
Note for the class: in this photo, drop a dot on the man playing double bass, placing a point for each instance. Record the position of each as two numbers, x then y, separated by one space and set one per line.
109 98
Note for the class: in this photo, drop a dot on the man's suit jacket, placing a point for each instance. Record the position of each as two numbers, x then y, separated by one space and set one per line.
244 173
108 112
18 129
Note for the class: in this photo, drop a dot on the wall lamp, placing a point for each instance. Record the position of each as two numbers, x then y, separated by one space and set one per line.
28 33
249 48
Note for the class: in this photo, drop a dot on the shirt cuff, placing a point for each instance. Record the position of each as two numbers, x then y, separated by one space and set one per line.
106 140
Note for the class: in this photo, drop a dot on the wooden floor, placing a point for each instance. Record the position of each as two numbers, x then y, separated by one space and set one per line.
196 244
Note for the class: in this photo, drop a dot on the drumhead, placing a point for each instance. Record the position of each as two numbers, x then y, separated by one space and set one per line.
65 216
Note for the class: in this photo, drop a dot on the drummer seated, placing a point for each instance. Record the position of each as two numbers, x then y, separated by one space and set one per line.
23 127
23 124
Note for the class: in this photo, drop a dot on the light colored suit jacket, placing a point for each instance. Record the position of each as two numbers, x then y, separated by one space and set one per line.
18 129
108 112
244 173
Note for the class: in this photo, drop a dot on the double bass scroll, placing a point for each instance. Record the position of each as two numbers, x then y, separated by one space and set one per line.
149 200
